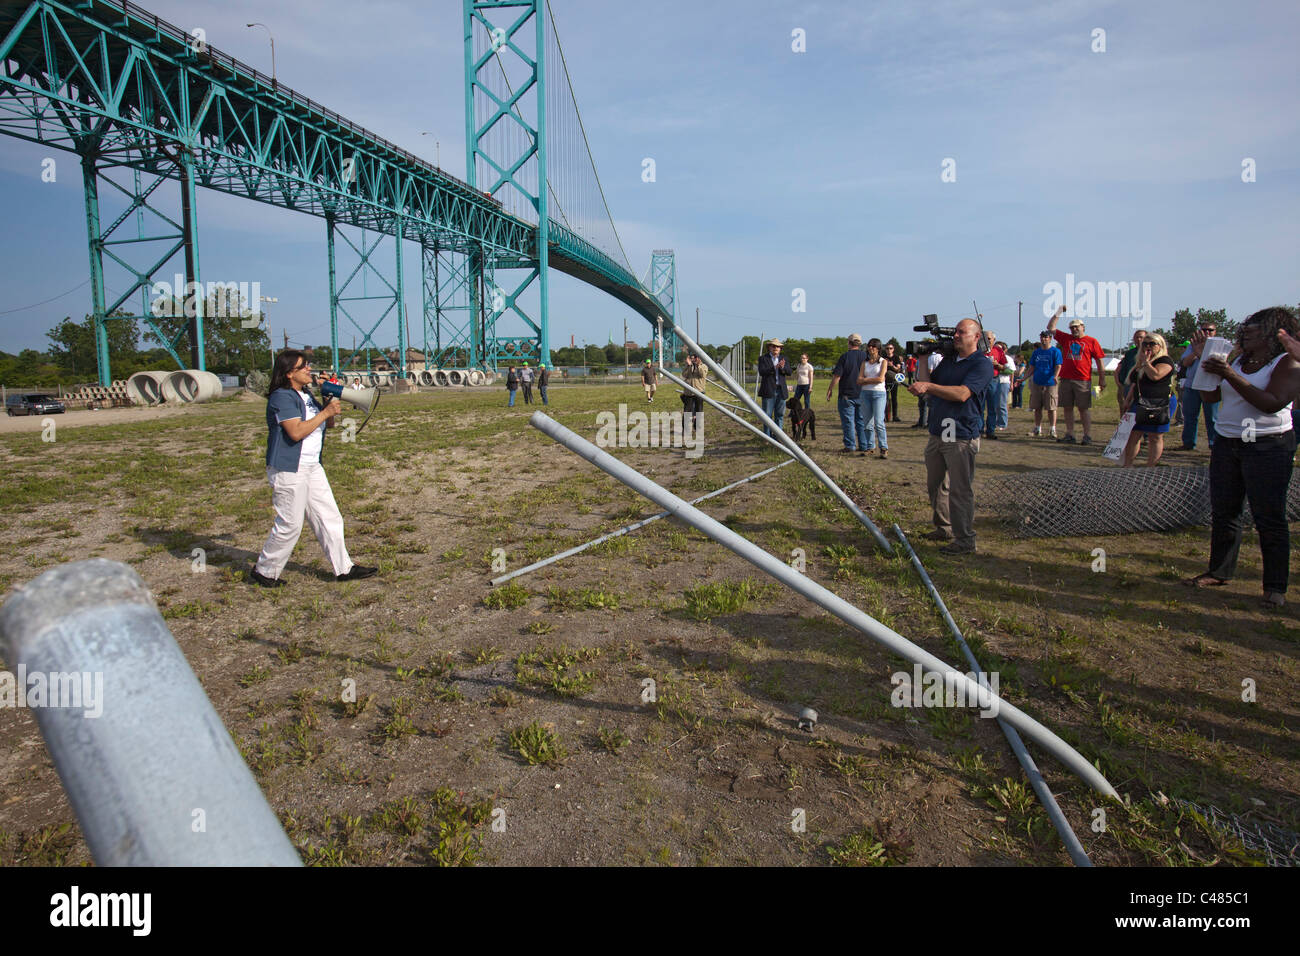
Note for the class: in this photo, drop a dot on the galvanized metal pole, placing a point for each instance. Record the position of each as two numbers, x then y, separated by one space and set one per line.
890 639
786 440
154 778
1062 825
632 527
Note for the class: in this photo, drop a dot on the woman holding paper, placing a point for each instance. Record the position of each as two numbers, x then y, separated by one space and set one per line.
1252 456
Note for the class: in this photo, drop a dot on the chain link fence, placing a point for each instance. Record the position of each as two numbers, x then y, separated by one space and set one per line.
1095 501
1280 847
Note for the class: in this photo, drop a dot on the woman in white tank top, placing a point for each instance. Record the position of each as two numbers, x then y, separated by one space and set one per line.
1252 458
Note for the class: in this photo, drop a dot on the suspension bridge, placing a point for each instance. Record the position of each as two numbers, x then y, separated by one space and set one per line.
144 103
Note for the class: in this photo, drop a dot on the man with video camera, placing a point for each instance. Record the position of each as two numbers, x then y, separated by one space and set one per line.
955 395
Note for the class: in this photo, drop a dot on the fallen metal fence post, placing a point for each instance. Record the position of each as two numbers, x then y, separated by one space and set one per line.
825 599
786 440
154 778
1062 825
632 527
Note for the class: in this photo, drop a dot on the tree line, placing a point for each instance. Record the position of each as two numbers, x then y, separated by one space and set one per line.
231 348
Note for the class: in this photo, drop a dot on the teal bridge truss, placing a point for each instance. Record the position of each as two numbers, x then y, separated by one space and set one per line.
142 103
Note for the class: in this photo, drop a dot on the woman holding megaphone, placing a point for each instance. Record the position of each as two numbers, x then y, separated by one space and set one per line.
296 424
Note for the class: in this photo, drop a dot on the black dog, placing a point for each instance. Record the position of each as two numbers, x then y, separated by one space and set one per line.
803 420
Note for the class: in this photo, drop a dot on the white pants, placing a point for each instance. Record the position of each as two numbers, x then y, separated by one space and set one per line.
295 495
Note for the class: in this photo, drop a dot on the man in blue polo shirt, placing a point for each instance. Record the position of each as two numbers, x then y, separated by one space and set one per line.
955 396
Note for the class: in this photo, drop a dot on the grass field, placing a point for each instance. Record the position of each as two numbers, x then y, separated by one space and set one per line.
515 725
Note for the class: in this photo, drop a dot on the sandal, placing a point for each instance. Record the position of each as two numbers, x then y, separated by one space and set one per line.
1204 581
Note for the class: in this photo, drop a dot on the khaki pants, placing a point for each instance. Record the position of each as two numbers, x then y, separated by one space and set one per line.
950 476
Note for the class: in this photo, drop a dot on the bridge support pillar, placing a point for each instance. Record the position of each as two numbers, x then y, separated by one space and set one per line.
347 304
169 317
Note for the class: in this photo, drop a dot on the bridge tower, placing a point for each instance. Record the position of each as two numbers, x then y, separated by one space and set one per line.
505 156
663 286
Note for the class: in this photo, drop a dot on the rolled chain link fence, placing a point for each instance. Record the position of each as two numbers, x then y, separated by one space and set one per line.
1279 847
1095 501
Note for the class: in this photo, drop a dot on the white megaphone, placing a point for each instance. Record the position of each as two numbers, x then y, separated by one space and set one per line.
365 399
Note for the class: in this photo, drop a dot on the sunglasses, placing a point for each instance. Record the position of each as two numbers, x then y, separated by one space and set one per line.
1148 345
1207 328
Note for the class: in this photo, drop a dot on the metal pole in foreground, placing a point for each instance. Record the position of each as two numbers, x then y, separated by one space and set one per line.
819 595
732 415
1063 828
785 439
154 778
632 527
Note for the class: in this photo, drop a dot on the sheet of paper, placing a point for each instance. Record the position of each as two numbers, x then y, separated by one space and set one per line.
1204 381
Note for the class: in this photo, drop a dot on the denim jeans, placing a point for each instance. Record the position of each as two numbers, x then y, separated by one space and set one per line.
851 421
542 389
774 408
804 392
1257 471
995 406
512 398
873 414
1192 408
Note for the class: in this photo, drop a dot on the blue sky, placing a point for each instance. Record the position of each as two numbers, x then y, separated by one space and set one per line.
778 170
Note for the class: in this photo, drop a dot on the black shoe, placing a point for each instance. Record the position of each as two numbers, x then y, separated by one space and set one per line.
1066 440
357 573
937 535
956 548
1189 448
991 435
1086 440
263 581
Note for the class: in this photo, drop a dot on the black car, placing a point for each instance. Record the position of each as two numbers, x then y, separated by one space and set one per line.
33 405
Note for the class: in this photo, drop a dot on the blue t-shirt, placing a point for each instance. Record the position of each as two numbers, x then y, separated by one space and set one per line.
1044 362
975 372
847 368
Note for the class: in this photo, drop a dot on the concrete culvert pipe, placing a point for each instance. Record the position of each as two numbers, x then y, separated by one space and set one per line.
455 377
145 388
440 377
476 377
426 377
191 386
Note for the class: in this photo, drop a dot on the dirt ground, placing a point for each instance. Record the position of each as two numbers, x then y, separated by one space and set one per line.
637 703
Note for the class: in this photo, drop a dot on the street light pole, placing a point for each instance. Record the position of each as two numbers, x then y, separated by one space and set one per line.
437 151
268 33
262 314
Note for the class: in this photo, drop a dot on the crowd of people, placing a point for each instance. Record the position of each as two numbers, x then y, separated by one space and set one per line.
964 398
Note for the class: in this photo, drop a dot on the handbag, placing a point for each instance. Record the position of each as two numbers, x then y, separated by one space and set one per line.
1150 413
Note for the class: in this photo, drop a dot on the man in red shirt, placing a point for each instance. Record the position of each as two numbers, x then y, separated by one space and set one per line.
995 394
1078 352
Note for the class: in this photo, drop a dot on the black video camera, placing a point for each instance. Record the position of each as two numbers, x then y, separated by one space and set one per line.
940 338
